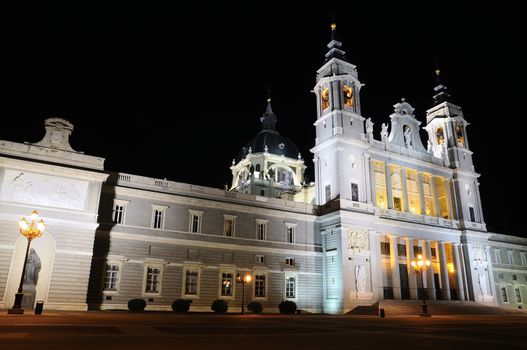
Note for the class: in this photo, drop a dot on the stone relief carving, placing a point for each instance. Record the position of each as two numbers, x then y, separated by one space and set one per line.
360 278
358 240
482 282
478 253
44 190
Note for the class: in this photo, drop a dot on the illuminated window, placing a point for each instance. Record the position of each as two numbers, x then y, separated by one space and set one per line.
153 279
459 136
348 95
195 217
226 284
434 253
119 211
401 249
290 287
418 250
111 280
229 225
261 229
440 137
385 248
259 285
325 98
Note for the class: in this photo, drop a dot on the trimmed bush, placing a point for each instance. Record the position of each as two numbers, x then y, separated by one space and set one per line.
255 307
219 306
287 307
136 305
181 305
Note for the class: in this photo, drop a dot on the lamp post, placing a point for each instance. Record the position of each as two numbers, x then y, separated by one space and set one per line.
243 280
418 263
30 232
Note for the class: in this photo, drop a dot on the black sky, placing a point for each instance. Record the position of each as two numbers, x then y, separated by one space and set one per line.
176 92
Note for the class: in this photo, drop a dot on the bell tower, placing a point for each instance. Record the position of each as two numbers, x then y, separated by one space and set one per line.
339 128
447 132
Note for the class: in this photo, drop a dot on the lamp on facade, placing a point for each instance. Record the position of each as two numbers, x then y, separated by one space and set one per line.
30 231
243 280
418 264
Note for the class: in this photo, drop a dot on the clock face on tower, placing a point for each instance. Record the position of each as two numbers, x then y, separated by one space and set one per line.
348 95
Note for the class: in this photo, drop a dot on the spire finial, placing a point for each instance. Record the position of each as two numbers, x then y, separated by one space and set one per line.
334 45
333 26
269 94
441 93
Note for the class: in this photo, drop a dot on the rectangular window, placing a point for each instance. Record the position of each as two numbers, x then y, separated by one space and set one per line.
524 259
385 248
259 259
290 234
226 284
518 295
259 286
153 279
328 193
191 283
111 280
229 225
290 261
195 221
500 276
472 214
514 277
119 211
261 229
401 249
158 217
504 295
511 259
290 287
434 253
418 250
497 256
354 192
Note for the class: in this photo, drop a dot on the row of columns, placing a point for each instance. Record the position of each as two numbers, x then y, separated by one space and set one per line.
404 185
428 272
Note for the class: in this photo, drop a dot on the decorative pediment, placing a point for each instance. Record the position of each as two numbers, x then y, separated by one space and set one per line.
405 128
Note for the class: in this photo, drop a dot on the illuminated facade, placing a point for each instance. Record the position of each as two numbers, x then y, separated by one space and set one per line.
346 240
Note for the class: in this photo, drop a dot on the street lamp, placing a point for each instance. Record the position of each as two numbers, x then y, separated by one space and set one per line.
418 263
30 232
243 280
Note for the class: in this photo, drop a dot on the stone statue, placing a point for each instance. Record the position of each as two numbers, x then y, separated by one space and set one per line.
369 129
360 278
429 146
384 132
482 281
444 154
408 136
32 268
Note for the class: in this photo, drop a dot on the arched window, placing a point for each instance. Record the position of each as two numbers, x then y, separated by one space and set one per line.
325 98
348 95
459 136
257 167
440 137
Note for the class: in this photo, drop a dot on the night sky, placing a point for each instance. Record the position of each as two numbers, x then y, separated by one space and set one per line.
176 92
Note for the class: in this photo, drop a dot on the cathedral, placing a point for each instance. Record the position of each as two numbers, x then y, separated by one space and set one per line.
388 217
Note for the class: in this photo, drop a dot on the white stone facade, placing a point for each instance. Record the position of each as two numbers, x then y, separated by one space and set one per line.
346 240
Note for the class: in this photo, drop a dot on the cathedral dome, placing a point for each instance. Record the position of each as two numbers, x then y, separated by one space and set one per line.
269 140
276 144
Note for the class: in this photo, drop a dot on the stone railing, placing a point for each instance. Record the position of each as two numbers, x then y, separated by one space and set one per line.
421 219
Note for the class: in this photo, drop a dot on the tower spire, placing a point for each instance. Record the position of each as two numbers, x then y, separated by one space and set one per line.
335 45
268 119
441 94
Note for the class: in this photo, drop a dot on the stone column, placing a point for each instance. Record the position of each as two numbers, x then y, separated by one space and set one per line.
445 284
435 195
459 272
449 202
388 175
421 192
429 273
369 188
394 261
405 189
412 280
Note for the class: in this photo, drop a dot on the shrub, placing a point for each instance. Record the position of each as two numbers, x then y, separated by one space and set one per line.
287 307
136 305
219 306
255 307
181 305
